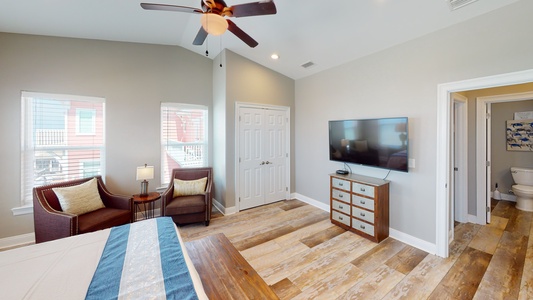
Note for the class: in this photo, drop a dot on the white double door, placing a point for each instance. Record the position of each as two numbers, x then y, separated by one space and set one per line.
263 155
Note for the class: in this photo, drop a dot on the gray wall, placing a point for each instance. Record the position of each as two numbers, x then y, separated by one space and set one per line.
402 81
249 82
133 78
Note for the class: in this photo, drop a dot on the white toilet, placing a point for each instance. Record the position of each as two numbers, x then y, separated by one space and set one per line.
523 188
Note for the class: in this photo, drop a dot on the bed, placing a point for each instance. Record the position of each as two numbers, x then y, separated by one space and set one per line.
134 261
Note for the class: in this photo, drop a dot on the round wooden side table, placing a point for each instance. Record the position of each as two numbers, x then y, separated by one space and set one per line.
144 204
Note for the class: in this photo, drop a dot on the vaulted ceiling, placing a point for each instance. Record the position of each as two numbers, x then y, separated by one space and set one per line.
325 33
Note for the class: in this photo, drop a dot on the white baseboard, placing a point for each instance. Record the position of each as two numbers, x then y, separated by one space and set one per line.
231 210
506 197
224 210
315 203
18 240
509 197
393 233
413 241
29 238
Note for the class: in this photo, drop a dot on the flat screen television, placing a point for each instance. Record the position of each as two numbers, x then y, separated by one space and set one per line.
381 143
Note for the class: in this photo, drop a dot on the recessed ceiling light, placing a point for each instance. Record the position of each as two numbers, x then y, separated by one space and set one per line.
274 56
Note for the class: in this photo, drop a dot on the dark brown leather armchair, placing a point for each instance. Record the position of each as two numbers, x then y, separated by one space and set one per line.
188 209
51 222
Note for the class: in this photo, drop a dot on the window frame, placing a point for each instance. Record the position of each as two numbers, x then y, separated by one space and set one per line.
30 146
165 172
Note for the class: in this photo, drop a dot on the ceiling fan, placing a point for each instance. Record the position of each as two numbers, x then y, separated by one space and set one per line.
214 13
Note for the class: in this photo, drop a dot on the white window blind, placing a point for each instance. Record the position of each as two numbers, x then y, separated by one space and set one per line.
63 138
183 137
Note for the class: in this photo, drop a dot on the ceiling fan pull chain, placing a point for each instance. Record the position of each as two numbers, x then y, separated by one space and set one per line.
221 50
207 47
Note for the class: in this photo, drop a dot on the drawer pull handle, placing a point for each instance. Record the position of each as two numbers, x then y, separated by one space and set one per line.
340 218
362 189
362 214
362 202
340 183
362 226
340 195
340 207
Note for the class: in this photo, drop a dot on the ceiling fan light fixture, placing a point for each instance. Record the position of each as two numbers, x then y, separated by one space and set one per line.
214 24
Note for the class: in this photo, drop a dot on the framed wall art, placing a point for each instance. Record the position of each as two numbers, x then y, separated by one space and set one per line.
520 135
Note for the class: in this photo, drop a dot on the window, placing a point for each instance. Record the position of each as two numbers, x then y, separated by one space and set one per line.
183 137
85 121
62 139
90 168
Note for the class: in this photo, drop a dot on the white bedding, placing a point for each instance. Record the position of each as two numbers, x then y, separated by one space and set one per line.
61 269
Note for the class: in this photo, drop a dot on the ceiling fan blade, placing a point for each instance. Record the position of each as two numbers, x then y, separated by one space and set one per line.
200 37
241 34
166 7
254 9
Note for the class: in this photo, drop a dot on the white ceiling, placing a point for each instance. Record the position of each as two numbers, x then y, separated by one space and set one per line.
326 32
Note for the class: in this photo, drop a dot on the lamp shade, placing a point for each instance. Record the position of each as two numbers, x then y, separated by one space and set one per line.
145 172
401 127
214 24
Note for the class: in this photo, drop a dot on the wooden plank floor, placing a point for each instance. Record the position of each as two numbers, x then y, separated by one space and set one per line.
297 251
234 277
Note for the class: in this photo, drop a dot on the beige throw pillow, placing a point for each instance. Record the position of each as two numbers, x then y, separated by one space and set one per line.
80 199
189 187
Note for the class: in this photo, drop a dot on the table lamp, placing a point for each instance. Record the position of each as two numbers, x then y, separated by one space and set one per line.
144 173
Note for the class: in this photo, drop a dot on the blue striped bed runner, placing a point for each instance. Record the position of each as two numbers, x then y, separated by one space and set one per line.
143 260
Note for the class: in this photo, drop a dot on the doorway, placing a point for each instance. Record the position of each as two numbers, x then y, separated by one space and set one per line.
444 136
483 153
263 161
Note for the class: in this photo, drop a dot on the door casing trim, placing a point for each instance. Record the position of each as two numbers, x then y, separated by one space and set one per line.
287 109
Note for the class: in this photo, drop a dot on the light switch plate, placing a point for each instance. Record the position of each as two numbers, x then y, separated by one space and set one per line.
411 163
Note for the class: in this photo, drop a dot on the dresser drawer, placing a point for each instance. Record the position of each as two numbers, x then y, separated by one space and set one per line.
342 218
360 204
345 208
362 226
340 195
363 215
363 202
363 189
340 184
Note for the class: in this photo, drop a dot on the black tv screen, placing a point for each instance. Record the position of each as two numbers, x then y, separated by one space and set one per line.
381 143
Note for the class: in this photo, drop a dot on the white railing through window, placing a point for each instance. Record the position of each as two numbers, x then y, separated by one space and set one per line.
187 155
50 137
193 154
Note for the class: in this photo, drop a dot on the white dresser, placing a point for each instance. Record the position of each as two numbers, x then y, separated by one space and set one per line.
360 204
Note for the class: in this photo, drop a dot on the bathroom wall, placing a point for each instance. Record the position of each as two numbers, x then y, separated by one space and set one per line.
502 159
